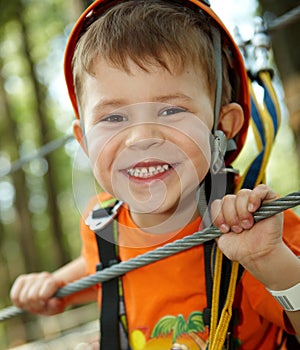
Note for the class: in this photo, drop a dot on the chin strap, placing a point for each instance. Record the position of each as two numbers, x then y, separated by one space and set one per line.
218 150
220 144
216 39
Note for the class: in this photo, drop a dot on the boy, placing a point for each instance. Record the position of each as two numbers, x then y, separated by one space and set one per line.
160 94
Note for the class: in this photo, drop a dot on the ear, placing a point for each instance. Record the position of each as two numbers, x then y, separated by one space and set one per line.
79 135
231 119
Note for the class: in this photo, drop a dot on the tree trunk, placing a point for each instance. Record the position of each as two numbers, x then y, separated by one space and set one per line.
24 228
5 280
61 248
21 231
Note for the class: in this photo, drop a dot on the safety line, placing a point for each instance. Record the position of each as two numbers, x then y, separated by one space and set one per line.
39 153
200 237
283 21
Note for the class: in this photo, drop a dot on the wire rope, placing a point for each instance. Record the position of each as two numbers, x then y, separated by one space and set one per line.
200 237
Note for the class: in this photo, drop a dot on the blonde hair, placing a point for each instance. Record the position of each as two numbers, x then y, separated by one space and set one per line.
149 33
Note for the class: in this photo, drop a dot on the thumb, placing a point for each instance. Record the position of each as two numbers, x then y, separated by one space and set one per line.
55 306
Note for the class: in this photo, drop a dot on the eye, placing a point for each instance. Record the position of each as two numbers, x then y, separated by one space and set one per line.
114 118
171 110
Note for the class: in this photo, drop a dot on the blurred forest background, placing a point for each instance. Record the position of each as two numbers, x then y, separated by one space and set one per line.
39 214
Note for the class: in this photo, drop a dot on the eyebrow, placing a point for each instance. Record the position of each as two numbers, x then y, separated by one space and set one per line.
168 98
118 103
114 103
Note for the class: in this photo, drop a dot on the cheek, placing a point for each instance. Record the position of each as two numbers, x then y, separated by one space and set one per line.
200 150
196 135
196 151
199 160
101 151
195 143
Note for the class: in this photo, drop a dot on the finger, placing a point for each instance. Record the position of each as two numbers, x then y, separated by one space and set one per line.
244 216
54 306
33 293
230 213
40 297
16 290
29 281
218 217
49 287
260 194
30 296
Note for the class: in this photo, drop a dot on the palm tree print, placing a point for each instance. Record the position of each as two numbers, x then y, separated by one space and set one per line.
179 326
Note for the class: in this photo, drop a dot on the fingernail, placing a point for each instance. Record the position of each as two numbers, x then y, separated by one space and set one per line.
236 229
224 228
246 224
251 207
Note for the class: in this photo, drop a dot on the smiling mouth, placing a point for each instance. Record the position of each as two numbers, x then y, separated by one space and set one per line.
145 172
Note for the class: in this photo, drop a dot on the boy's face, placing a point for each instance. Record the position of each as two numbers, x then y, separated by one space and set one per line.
147 136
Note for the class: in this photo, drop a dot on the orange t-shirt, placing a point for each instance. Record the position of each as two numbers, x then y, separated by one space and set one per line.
164 300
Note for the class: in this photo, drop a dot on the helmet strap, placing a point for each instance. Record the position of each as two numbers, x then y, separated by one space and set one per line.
216 39
218 150
229 145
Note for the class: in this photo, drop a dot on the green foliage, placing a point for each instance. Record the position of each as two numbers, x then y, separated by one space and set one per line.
195 322
178 325
164 326
7 10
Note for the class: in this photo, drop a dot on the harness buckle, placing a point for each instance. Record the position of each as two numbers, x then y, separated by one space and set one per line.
100 218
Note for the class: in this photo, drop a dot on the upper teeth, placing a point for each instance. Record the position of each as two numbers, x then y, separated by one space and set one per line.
148 171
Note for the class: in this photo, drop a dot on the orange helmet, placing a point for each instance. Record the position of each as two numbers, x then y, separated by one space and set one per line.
240 83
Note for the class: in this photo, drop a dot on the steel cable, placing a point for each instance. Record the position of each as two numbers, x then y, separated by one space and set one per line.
200 237
37 154
283 21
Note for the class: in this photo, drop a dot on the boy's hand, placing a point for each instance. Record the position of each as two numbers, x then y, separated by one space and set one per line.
243 240
33 292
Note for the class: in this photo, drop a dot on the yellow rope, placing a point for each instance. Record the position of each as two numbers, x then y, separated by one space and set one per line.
268 128
215 294
221 332
269 135
267 80
265 77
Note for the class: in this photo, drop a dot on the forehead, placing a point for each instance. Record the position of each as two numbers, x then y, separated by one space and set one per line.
107 78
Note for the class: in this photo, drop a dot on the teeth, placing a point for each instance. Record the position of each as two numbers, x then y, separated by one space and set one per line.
146 172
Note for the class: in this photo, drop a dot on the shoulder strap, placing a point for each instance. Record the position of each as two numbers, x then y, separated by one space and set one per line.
208 281
209 258
113 323
109 317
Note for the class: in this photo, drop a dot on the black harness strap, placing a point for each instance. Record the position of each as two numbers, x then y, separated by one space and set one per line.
208 282
209 258
109 317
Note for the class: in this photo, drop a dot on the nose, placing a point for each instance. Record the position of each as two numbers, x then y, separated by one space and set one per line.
144 136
